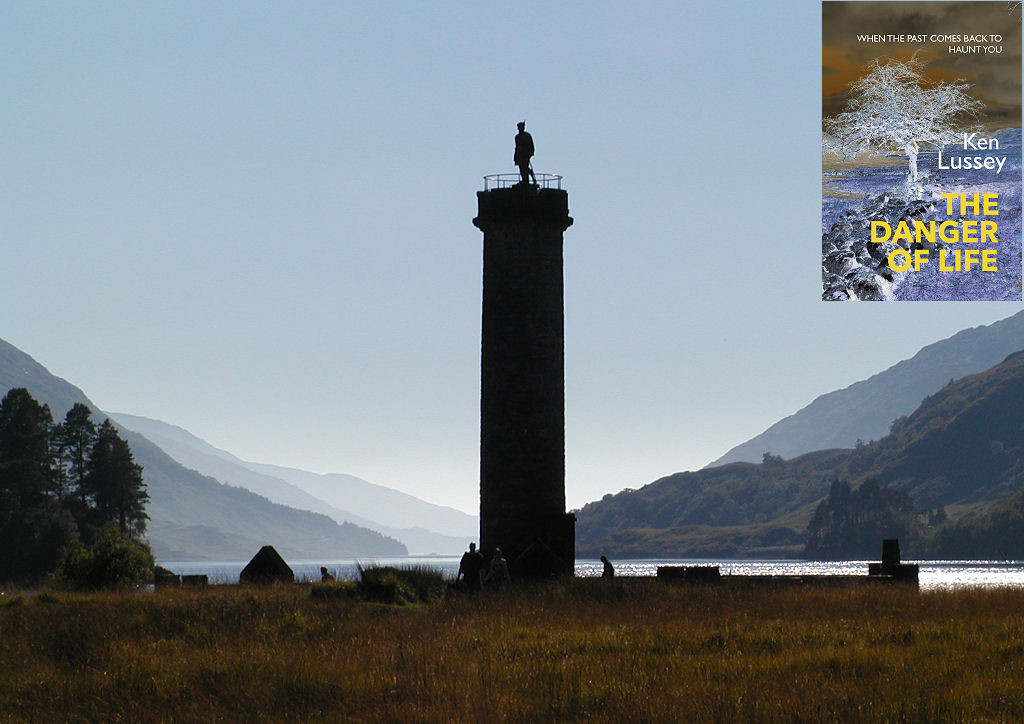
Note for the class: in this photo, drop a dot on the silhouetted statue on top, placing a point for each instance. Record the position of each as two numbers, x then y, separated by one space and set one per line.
523 154
471 568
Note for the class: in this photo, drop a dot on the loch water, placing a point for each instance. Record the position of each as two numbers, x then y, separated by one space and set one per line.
934 575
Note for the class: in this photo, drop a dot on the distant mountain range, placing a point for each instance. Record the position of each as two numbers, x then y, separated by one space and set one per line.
962 450
345 498
193 515
937 454
864 410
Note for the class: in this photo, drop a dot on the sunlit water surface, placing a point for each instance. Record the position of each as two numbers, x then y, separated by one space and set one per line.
934 574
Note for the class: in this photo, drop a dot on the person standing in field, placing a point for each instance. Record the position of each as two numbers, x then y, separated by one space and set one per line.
609 570
498 576
471 568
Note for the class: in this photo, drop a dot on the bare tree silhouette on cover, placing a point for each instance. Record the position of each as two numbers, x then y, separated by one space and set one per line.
895 109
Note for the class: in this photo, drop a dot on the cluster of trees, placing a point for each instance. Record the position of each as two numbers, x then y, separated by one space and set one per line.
64 487
996 534
851 523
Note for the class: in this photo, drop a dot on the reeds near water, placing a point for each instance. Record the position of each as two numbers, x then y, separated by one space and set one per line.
595 650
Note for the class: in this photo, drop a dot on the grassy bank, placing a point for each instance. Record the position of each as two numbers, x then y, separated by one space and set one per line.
584 649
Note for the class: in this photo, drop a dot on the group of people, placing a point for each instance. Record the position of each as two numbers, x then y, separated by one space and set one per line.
471 569
472 565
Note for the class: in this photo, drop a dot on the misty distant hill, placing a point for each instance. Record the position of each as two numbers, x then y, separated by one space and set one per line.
195 516
962 450
423 527
864 410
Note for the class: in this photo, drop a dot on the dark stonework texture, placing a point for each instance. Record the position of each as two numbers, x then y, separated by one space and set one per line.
522 386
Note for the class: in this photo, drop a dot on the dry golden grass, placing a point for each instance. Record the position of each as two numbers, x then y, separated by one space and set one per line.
625 650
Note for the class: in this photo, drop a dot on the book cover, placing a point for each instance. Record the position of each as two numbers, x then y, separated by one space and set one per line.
921 151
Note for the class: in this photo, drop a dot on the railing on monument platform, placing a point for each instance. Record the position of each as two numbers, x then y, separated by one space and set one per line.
508 180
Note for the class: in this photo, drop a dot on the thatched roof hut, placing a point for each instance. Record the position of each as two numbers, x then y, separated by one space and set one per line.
266 567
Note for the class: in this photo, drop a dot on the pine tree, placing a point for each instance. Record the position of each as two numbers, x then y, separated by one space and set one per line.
59 483
34 526
73 443
113 483
25 462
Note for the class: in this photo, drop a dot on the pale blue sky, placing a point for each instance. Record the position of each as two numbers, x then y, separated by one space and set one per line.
253 220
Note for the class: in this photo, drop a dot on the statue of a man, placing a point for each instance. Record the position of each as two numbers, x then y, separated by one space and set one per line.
524 152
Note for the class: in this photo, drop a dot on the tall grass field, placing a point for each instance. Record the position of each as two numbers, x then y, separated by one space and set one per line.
574 650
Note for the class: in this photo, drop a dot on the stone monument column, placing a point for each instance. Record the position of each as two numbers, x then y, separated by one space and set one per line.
522 381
